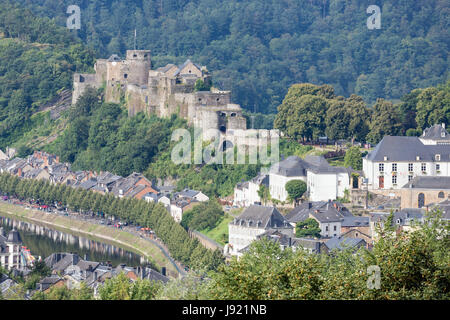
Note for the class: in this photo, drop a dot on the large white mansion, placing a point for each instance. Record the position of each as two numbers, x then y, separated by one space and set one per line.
396 160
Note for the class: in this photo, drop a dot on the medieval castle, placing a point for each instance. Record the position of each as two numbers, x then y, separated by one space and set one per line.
164 91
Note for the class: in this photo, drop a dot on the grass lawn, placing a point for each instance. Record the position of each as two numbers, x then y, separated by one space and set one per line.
220 232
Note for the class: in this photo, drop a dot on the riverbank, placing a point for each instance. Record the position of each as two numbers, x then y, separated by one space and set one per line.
92 231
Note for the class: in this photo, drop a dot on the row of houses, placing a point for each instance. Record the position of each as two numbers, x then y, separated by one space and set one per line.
70 270
41 165
339 228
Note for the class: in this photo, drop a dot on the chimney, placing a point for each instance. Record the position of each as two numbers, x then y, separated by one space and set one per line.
95 275
163 271
309 205
290 242
443 125
19 172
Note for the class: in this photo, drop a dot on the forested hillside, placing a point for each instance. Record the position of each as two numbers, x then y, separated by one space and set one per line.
258 48
37 61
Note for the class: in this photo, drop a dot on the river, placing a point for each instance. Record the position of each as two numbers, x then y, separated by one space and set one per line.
43 241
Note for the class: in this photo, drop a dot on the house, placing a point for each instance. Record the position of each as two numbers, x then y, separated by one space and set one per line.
341 243
323 181
48 282
191 195
180 206
7 286
329 215
397 160
122 187
11 250
37 174
404 219
326 181
423 190
356 226
254 221
246 193
292 168
3 156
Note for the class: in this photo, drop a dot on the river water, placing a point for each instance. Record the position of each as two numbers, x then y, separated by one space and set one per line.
43 241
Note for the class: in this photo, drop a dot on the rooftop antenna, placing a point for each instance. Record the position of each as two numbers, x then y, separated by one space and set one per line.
135 39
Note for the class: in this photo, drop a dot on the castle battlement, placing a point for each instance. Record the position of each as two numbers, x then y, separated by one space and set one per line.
165 91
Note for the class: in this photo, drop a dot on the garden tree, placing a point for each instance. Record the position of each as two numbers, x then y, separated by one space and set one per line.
307 228
264 193
302 113
64 293
408 110
353 158
205 215
411 132
433 106
337 119
295 190
385 120
358 126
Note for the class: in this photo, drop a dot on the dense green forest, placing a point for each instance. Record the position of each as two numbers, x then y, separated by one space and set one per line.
37 61
258 48
309 112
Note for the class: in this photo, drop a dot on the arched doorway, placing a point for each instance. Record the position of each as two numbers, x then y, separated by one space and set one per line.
421 200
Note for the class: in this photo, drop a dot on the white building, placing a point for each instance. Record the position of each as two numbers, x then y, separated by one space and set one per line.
246 193
10 251
324 182
292 168
254 221
396 160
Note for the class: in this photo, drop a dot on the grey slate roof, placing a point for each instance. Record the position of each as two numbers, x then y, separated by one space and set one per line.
436 132
114 57
407 149
332 211
424 182
340 243
14 237
262 217
292 166
355 222
185 64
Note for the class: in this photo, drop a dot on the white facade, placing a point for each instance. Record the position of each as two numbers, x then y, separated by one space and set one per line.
246 195
12 258
394 175
176 212
327 186
330 229
277 185
240 236
201 197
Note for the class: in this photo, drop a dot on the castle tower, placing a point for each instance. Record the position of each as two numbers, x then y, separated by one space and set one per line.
139 64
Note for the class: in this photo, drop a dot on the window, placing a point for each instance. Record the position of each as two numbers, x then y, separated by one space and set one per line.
410 167
394 179
441 194
410 177
334 229
326 228
394 167
438 167
381 167
424 167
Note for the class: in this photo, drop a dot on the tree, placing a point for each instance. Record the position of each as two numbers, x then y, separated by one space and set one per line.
295 190
353 158
385 120
264 193
307 228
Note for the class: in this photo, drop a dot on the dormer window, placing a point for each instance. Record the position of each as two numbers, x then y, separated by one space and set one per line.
417 158
443 134
437 157
385 158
